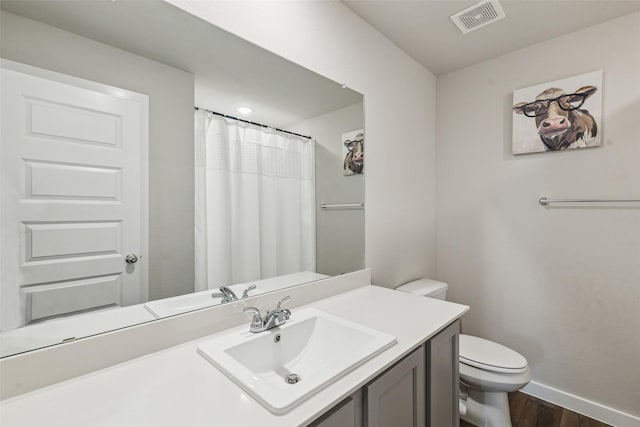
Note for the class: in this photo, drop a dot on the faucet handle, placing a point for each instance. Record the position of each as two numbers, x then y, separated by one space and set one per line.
245 293
284 314
285 299
257 318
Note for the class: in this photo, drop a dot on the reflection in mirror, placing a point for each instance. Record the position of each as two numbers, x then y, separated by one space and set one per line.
126 196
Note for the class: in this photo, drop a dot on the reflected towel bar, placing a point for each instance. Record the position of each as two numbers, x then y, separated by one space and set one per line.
544 201
342 206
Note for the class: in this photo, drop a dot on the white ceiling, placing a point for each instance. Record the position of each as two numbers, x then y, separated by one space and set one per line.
423 29
229 71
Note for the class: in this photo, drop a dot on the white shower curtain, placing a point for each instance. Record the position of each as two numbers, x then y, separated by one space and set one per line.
255 202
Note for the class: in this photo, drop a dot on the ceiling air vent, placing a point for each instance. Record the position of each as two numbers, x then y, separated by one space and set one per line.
478 15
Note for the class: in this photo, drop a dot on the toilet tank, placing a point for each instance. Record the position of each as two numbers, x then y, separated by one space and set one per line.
426 288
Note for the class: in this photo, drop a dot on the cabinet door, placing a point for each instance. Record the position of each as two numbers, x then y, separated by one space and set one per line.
442 378
347 413
397 397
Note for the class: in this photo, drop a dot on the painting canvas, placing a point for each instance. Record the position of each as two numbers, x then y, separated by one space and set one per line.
353 152
558 115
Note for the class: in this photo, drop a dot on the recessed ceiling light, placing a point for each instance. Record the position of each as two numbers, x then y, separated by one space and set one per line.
244 110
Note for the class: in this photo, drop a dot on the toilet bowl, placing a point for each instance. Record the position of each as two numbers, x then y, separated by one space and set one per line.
488 370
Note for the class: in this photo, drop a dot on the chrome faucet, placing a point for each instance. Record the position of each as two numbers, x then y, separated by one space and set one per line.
226 294
272 318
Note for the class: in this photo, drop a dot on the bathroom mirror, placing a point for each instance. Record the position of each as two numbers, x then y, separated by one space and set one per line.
217 201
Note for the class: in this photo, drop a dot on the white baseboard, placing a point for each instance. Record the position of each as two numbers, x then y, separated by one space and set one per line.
581 405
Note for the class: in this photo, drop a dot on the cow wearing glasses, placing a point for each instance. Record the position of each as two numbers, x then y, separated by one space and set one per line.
354 160
560 122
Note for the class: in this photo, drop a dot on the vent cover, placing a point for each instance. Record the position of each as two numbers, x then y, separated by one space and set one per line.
478 15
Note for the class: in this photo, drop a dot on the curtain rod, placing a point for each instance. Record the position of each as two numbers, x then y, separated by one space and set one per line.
251 123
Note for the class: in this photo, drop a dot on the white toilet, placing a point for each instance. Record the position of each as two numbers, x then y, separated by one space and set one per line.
488 370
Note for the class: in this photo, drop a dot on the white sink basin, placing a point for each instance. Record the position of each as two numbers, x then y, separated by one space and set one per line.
316 346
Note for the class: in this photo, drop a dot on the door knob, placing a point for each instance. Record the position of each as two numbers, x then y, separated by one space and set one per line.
131 259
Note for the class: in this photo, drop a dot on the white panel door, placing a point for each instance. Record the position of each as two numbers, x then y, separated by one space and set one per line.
70 196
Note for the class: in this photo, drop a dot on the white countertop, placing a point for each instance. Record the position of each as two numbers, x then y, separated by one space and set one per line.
178 387
55 331
184 303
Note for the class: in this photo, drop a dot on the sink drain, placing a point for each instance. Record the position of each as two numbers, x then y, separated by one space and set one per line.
292 379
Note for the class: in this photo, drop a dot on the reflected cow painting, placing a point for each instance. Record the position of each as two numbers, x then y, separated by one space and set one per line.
558 115
353 152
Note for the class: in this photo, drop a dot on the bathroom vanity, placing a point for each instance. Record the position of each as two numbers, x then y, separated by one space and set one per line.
396 397
412 383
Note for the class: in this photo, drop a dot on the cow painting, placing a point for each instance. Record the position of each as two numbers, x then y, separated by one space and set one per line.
353 150
557 119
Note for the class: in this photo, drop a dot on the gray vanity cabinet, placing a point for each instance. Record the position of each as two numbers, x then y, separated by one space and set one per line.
397 397
347 413
442 378
421 390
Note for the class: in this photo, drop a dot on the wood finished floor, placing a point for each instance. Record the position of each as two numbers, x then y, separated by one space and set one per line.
528 411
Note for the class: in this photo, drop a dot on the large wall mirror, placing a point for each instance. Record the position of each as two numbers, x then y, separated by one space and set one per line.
136 187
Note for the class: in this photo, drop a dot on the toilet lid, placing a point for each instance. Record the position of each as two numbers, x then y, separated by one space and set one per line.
490 356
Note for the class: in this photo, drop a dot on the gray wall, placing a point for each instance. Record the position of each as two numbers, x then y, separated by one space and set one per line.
170 91
339 233
562 285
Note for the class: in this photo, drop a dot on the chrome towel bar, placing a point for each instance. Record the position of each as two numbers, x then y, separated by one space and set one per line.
545 201
342 206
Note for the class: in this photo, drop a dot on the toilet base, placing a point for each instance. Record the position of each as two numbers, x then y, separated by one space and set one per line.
485 409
